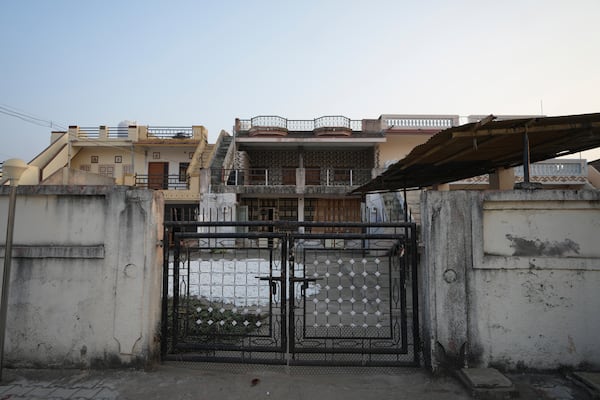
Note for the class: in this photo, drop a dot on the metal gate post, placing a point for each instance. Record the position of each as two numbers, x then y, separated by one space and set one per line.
165 295
291 337
175 308
415 292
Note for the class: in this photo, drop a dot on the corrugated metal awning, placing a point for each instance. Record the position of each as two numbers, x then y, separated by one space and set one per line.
480 148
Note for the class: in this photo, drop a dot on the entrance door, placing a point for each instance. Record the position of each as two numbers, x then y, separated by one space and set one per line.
158 175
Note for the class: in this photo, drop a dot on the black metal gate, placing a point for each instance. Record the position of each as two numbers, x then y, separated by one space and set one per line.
291 293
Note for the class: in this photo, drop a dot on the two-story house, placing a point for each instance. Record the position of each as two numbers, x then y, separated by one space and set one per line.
273 168
161 158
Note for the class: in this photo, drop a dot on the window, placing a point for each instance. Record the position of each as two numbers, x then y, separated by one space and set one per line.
85 167
94 159
106 170
313 176
118 159
341 176
288 175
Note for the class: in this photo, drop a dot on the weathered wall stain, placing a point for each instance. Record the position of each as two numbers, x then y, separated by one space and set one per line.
536 247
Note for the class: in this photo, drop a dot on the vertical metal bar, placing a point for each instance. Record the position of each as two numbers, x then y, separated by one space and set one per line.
6 272
165 295
351 176
290 298
402 260
405 205
415 294
176 260
526 160
283 294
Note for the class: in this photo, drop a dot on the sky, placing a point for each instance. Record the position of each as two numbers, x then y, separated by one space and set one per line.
182 63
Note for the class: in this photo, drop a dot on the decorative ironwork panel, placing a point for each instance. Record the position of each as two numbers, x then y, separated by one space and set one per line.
225 300
334 121
352 308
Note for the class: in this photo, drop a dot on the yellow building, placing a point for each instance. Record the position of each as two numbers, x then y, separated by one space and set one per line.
162 158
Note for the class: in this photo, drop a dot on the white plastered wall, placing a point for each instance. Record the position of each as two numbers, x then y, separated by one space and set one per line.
511 279
85 285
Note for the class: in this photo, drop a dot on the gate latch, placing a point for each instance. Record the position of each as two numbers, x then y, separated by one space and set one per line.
272 282
305 282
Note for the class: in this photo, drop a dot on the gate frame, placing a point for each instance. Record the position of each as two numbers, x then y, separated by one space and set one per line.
286 227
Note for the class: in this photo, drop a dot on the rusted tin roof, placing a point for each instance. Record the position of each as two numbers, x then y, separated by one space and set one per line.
482 147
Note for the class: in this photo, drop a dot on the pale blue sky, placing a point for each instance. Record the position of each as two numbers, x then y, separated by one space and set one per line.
93 63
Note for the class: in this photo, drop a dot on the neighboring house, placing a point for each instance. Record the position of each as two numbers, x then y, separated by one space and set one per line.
551 174
496 153
273 168
554 173
162 158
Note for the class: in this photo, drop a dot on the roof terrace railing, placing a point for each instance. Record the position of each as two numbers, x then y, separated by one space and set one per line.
274 121
112 132
438 122
420 122
564 167
171 132
122 132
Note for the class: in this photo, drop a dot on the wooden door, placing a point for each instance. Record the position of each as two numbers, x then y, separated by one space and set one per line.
158 175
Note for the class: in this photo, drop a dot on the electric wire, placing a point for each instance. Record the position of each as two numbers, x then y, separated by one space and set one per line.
36 120
27 117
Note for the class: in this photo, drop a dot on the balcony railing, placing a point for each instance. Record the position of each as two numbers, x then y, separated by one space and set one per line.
274 121
288 176
163 182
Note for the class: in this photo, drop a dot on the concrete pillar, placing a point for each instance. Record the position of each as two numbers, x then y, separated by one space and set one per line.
502 179
73 132
300 180
142 132
204 180
442 187
446 232
132 133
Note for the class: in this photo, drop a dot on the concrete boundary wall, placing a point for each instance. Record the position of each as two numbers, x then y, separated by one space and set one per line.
86 276
510 279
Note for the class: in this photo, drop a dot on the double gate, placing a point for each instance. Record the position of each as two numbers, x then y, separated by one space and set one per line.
291 293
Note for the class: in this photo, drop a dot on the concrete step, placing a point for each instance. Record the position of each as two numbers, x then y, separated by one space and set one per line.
590 381
487 383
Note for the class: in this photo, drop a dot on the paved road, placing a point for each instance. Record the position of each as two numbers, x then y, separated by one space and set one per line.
178 381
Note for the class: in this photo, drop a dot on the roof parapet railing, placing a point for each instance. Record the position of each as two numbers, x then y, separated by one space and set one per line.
275 121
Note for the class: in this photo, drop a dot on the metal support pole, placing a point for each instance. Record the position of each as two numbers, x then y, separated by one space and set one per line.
405 205
6 272
526 161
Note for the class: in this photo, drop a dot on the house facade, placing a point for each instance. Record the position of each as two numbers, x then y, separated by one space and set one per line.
273 168
162 158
